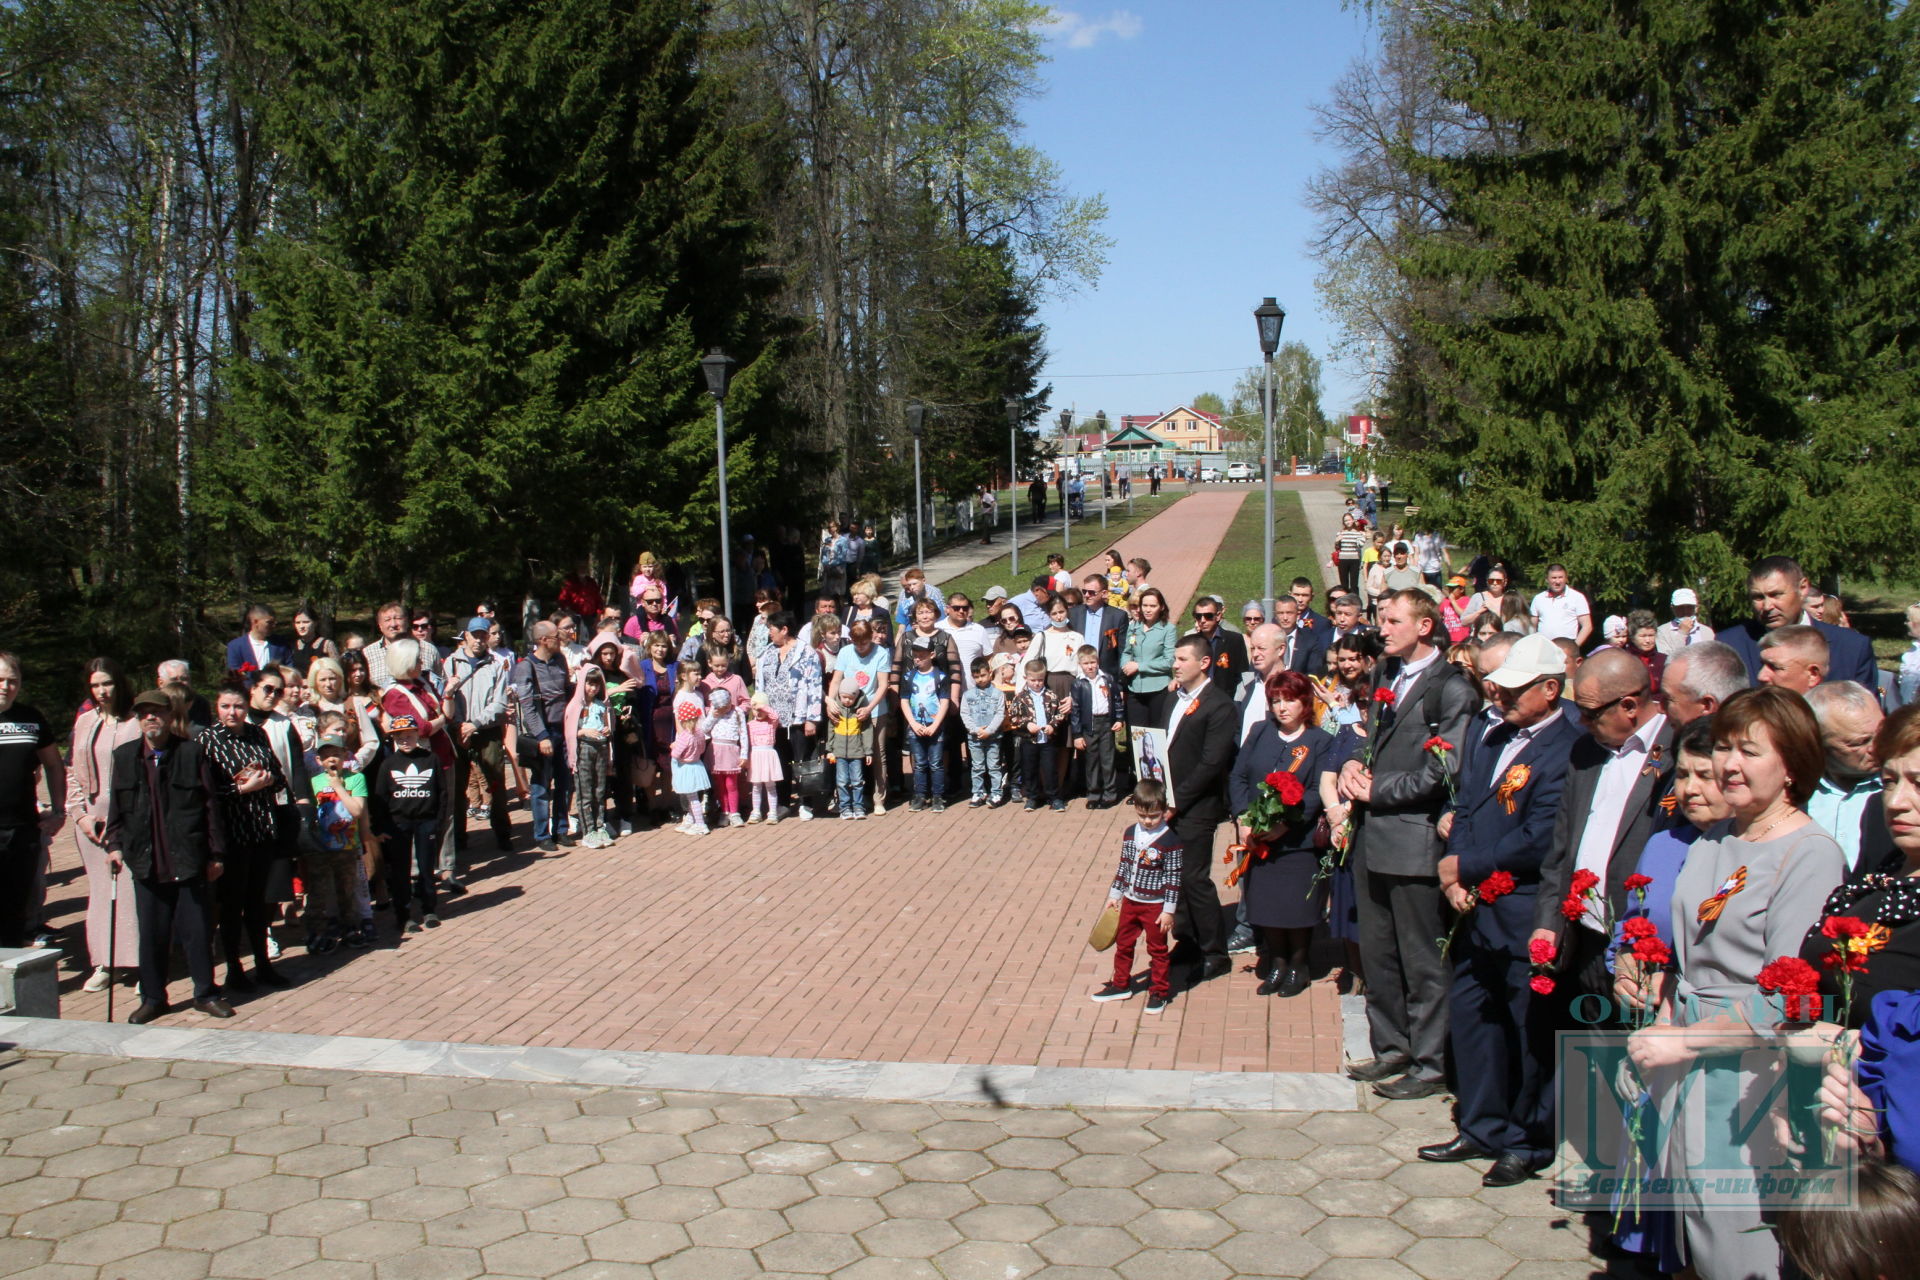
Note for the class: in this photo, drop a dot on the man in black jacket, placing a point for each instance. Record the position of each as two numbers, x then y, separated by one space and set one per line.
1101 624
1398 796
162 823
1203 734
1227 662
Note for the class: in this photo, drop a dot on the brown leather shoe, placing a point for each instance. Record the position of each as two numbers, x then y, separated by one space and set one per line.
146 1013
214 1007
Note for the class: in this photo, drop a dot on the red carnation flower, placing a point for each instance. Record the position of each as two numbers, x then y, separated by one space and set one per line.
1289 789
1638 882
1844 927
1797 981
1637 928
1584 881
1542 951
1496 886
1573 907
1436 743
1652 952
1542 985
1383 696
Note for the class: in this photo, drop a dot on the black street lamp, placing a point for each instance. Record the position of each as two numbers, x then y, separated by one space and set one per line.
1014 409
1270 316
916 424
719 366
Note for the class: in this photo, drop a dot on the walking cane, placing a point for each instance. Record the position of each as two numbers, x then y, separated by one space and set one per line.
113 934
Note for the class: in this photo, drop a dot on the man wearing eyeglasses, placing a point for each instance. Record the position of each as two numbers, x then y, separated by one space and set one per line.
1512 776
1617 775
1227 662
163 825
652 617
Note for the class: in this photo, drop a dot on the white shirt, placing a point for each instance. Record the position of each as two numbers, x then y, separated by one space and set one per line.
1518 743
260 652
970 641
1256 711
1559 616
1409 669
1669 639
1610 795
1100 705
1182 702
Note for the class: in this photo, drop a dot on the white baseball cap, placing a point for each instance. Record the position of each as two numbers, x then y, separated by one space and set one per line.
1530 658
1685 596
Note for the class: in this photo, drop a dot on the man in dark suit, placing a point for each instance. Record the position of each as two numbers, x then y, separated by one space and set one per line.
1103 626
1777 589
1203 734
1226 650
163 824
1616 778
1512 777
1399 797
1346 619
254 651
1297 648
1315 624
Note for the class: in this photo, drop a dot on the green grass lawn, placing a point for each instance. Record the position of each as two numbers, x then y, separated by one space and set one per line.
1236 575
1088 542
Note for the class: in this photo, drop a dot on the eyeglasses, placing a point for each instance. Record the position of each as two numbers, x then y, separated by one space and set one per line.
1594 713
1204 617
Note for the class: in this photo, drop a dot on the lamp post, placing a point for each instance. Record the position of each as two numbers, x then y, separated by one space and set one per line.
916 423
1013 476
1270 317
718 366
1066 507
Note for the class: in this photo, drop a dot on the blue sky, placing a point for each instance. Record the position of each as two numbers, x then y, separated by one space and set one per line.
1193 120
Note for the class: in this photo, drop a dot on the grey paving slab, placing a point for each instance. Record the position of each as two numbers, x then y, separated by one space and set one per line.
212 1168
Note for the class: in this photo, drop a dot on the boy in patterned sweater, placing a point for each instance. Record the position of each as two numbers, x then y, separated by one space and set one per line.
1147 890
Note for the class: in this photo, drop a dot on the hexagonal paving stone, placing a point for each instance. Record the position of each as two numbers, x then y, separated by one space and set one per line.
671 1204
215 1230
226 1171
1013 1223
790 1157
129 1183
1441 1216
108 1243
1112 1139
575 1215
1031 1153
275 1140
368 1182
26 1194
1188 1155
988 1260
1179 1229
1106 1171
590 1130
855 1178
1279 1215
909 1238
1173 1264
1257 1253
738 1228
760 1111
1360 1238
835 1215
87 1161
267 1256
808 1253
1207 1125
368 1131
765 1191
676 1120
432 1262
644 1148
1539 1239
961 1135
611 1181
1422 1178
881 1148
730 1139
170 1204
1342 1198
372 1241
928 1200
534 1254
815 1126
1185 1191
70 1218
890 1269
701 1169
160 1264
555 1159
418 1204
1353 1161
701 1263
1018 1186
1379 1269
1096 1207
475 1228
1455 1259
272 1193
518 1191
1086 1246
901 1117
318 1161
1269 1144
319 1218
945 1166
1334 1128
63 1138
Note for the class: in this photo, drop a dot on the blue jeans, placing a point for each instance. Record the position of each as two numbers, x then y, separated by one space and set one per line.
989 776
849 772
412 853
929 764
549 786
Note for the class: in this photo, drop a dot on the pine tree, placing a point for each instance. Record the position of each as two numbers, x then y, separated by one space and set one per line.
1679 328
517 229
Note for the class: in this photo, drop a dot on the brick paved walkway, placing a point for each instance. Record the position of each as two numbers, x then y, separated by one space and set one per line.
1179 543
147 1170
956 937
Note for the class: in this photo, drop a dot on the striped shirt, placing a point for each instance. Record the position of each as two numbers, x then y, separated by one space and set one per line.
1149 867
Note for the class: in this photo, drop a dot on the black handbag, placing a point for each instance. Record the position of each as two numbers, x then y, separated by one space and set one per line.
813 781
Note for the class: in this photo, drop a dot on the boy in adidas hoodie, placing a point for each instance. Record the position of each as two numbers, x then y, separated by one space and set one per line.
407 800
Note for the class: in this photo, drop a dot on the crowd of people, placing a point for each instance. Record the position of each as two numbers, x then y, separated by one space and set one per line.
1505 817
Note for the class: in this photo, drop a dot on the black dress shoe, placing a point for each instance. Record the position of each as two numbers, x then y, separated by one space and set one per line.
214 1007
1378 1069
1218 967
146 1013
1292 983
1461 1148
1409 1087
1509 1170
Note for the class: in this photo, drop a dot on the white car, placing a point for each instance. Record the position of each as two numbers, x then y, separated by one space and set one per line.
1303 469
1240 471
1209 475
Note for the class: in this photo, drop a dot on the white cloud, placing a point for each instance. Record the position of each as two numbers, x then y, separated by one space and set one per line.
1079 31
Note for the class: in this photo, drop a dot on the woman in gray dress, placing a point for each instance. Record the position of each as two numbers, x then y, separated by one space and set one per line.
1751 888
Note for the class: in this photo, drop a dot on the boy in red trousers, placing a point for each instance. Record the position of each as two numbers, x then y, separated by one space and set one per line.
1147 891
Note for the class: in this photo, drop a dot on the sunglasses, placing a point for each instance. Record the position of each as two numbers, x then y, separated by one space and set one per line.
1594 713
423 626
271 688
1204 617
961 608
649 599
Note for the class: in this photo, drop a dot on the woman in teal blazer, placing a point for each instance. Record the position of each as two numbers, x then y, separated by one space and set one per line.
1147 661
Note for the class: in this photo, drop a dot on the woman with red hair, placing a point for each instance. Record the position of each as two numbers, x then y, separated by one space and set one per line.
1284 902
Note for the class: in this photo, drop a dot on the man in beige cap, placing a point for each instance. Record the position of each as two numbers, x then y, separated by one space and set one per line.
1686 628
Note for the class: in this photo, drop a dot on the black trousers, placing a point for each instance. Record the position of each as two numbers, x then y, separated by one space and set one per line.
168 913
19 863
1037 766
794 745
1407 978
1349 571
1198 919
242 897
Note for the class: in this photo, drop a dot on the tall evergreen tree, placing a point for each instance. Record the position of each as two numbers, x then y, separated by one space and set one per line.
478 327
1680 325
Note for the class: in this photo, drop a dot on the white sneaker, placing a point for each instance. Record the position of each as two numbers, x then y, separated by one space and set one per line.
273 946
626 829
735 820
806 814
755 818
773 819
573 824
700 830
98 980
